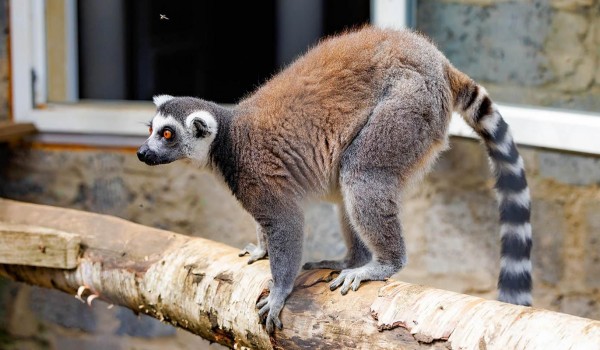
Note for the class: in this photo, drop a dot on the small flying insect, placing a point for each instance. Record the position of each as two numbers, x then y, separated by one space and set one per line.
164 17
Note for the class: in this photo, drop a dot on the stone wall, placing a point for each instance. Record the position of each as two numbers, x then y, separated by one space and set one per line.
539 52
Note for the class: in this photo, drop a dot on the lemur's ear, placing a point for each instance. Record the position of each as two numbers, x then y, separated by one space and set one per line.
202 123
200 128
160 99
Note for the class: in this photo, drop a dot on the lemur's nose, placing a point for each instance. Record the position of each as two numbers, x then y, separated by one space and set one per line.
141 153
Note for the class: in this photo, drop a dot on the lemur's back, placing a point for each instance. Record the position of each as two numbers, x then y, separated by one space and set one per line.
321 101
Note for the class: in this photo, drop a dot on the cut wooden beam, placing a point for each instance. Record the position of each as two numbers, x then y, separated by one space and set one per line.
10 131
38 246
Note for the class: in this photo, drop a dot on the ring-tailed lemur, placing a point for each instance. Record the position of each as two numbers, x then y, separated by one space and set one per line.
357 117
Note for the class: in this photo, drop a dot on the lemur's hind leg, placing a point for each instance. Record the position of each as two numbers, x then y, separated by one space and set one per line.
374 172
357 255
372 201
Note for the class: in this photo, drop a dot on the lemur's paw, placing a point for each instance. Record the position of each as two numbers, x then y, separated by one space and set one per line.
352 278
270 308
346 279
256 253
326 264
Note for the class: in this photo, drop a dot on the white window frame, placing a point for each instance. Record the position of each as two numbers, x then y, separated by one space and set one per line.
549 128
120 118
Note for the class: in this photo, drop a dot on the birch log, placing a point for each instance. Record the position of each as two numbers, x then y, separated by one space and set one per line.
204 287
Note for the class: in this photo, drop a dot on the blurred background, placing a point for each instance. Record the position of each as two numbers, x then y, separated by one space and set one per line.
91 67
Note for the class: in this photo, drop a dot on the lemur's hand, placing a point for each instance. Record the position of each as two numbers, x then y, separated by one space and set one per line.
256 252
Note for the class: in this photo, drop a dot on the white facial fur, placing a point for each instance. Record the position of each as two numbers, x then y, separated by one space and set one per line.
158 123
200 147
208 118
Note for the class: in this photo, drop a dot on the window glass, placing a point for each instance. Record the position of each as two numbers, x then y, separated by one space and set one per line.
217 50
539 52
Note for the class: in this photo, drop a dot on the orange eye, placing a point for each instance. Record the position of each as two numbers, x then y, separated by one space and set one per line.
167 134
150 130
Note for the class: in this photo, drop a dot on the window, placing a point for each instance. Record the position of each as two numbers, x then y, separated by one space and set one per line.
75 84
132 50
91 67
539 53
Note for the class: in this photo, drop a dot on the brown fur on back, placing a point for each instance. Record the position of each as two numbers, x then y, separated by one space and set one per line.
310 112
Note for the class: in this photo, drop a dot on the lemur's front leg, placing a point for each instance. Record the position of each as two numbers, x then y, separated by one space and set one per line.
259 251
284 230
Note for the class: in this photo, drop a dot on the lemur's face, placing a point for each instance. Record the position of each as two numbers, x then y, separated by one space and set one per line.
181 129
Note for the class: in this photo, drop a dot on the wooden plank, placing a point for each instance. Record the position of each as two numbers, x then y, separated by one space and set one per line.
10 131
38 246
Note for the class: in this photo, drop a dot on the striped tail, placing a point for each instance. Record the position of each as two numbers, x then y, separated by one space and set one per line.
478 110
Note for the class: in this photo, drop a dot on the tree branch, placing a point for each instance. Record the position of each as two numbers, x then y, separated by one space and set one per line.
204 287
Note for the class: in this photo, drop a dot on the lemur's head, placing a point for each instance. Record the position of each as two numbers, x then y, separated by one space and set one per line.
183 128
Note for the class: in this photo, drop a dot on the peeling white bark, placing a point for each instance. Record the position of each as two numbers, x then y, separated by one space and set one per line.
204 287
474 323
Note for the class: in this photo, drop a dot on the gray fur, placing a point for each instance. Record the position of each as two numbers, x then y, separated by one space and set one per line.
358 118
